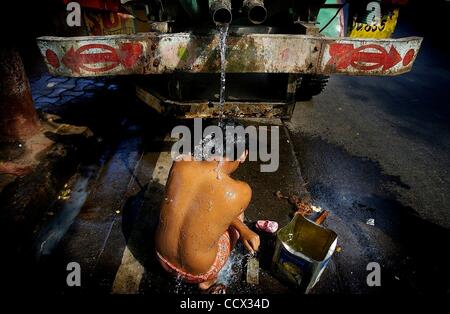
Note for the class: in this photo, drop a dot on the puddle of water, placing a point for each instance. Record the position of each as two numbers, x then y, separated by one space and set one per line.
51 235
357 190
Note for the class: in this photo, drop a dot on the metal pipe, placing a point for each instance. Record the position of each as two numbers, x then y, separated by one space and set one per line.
256 11
220 11
18 117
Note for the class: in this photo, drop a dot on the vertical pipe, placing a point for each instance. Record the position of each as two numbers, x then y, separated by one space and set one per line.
220 11
256 11
18 118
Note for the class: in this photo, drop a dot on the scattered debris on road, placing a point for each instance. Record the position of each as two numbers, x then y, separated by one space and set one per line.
319 220
65 193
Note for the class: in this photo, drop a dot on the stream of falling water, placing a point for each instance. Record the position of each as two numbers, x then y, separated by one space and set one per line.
223 32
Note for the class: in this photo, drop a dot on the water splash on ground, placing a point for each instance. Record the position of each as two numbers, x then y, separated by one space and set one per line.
234 268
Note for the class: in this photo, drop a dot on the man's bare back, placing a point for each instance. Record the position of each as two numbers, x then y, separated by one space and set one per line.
201 203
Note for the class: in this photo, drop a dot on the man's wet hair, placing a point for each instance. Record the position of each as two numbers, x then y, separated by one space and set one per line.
233 143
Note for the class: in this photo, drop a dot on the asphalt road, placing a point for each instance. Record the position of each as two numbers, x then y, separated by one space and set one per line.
368 148
377 147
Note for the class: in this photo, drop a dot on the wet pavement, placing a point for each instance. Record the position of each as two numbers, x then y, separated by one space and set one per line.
378 148
373 151
108 209
106 212
107 218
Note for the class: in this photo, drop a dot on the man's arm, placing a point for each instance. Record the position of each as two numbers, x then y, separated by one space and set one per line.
248 237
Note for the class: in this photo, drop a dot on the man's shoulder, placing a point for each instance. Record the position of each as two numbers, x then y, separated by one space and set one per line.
243 188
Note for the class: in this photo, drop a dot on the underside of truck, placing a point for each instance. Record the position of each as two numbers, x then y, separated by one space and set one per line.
277 52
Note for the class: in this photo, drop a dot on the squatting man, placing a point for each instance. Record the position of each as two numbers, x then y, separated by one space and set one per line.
201 216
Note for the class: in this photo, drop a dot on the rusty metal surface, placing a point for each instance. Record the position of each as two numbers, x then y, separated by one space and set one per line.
206 109
232 109
153 53
18 117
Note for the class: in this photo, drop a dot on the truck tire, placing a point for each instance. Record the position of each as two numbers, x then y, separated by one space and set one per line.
310 85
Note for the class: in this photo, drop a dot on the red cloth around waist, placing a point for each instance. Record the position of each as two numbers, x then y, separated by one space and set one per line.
223 252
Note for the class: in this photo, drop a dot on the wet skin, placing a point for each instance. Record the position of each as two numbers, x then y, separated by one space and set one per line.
201 202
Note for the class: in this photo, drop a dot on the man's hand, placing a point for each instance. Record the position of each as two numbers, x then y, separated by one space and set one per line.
250 240
248 237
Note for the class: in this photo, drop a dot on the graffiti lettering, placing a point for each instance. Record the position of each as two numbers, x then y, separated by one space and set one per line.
370 28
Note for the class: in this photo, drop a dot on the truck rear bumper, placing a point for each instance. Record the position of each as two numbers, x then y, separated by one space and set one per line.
153 53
